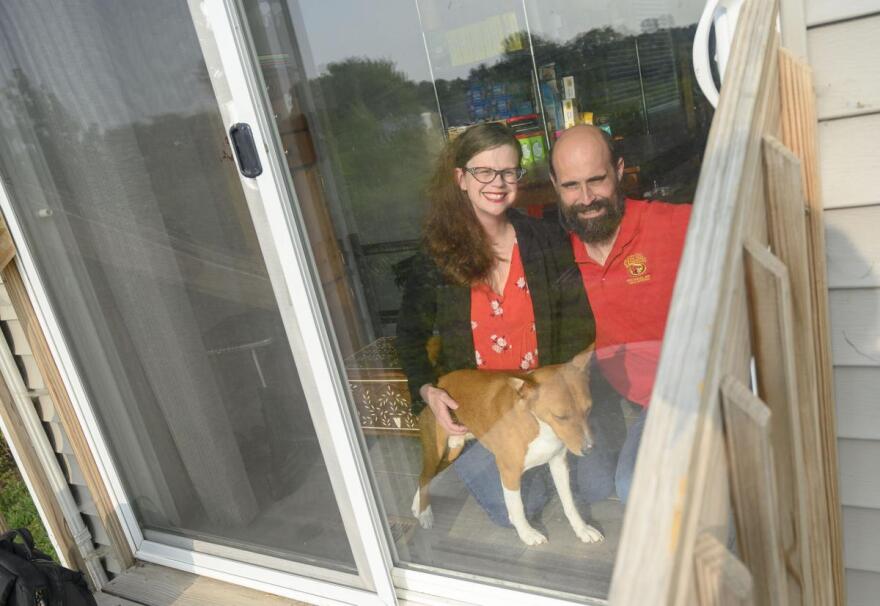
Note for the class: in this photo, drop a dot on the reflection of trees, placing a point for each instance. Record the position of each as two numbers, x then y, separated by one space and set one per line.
381 147
640 84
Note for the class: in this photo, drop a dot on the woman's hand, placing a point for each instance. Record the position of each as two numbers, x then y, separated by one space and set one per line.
441 403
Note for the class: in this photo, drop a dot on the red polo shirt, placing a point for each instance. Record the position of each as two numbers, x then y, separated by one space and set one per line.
630 293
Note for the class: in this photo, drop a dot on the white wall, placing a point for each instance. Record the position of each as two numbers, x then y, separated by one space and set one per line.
844 52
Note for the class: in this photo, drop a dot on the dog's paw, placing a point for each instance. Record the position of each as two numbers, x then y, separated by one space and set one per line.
530 536
426 518
588 534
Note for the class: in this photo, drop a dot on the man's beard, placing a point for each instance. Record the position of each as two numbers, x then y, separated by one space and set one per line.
597 229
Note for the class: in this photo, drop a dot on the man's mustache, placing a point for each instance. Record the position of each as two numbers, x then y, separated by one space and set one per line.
597 204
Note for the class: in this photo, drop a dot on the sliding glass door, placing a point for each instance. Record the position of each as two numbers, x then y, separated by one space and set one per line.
124 185
364 95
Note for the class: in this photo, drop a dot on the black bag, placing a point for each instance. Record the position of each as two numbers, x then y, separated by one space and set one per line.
29 577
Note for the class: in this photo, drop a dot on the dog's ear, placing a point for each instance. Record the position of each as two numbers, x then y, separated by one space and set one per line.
581 360
521 385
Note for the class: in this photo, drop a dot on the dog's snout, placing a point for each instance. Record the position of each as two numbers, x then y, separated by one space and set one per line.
587 444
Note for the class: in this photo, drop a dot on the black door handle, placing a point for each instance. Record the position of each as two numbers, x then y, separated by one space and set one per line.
243 142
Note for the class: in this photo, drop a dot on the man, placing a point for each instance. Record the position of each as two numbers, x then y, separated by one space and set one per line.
627 252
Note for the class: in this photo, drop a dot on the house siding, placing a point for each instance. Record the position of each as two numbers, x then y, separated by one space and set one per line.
844 55
15 336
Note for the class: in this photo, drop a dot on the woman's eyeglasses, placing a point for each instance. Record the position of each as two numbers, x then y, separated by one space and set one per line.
484 174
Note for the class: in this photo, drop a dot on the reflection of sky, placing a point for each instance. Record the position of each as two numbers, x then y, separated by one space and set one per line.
390 29
380 29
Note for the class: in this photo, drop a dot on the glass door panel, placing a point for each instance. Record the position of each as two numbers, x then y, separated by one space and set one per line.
365 94
126 190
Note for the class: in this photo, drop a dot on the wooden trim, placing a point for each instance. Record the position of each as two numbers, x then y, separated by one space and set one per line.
722 580
754 482
799 126
45 363
674 493
7 246
153 585
42 493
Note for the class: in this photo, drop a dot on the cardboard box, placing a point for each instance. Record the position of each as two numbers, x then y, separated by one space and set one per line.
568 87
569 113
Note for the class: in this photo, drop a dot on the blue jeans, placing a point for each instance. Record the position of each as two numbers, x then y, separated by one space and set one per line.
627 461
592 475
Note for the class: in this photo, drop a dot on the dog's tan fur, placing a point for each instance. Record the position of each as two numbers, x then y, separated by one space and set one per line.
504 411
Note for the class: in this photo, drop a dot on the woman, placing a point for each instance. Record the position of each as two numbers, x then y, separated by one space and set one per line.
486 292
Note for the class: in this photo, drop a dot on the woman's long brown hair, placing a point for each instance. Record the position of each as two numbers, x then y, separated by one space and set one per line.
453 236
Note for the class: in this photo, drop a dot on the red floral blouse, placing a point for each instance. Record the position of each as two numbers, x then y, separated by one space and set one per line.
504 325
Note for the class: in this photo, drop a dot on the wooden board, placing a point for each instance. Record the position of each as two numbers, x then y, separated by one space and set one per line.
855 327
849 157
799 134
722 580
852 247
858 408
84 457
800 503
843 57
827 11
7 246
32 469
860 473
669 500
754 481
862 528
159 586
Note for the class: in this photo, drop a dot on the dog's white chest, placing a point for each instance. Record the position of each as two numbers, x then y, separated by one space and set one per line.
543 448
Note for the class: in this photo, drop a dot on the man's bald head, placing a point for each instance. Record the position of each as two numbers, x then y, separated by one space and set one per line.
586 175
591 137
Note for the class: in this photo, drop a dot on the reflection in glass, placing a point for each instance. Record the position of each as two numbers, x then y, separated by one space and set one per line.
365 94
113 152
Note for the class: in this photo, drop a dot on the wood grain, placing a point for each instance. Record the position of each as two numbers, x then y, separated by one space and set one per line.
29 464
788 239
670 502
722 580
754 481
7 246
159 586
800 136
49 371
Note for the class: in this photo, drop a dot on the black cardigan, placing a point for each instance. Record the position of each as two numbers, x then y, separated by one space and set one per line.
431 305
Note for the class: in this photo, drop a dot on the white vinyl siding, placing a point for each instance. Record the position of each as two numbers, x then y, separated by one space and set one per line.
845 57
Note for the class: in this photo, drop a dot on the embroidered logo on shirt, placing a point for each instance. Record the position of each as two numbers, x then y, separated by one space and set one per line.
637 266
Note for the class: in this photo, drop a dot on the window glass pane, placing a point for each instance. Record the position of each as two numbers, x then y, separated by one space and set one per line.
114 154
366 95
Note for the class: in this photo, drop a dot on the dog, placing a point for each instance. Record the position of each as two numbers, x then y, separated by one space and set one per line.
525 419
